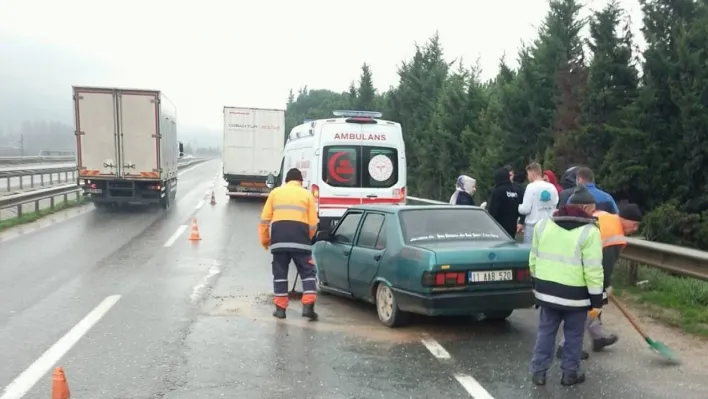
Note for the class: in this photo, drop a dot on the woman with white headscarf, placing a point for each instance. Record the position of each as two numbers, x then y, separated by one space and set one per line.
464 190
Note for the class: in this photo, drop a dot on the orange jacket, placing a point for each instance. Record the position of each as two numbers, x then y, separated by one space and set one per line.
610 229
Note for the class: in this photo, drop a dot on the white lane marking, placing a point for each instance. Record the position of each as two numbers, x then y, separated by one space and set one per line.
197 291
25 381
473 387
175 236
207 192
435 348
199 204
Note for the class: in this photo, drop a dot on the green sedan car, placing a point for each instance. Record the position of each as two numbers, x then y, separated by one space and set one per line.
437 260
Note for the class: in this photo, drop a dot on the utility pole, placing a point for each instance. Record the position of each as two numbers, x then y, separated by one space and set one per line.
22 144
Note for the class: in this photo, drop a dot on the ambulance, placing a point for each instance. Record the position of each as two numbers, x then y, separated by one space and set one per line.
354 158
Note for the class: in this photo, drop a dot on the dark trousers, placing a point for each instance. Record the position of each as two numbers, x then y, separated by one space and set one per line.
549 321
305 268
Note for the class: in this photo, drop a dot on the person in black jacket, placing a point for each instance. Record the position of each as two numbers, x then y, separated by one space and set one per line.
568 182
504 201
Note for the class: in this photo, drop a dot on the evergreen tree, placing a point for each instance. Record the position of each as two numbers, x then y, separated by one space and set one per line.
641 127
365 94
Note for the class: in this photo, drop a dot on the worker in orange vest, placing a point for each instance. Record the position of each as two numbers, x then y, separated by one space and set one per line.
614 230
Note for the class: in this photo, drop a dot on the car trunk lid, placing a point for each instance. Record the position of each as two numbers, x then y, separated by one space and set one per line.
486 265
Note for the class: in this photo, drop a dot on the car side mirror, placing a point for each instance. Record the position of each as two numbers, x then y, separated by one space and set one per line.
324 235
181 149
270 180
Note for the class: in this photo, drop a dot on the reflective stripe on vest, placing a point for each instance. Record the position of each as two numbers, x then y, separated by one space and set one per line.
610 229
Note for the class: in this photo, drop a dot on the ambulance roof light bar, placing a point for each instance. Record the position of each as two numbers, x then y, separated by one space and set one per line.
357 114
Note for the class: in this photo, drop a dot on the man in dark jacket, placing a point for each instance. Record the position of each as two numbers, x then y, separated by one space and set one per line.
584 175
504 201
568 182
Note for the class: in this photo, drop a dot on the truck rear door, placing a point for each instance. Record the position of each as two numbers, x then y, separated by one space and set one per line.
267 141
138 128
95 112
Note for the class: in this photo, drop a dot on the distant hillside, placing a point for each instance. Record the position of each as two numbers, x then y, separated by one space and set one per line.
35 97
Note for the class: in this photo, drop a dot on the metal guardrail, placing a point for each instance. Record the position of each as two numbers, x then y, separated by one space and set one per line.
17 200
37 159
681 261
26 197
17 180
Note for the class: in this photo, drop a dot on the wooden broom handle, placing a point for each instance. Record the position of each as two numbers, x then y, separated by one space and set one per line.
626 314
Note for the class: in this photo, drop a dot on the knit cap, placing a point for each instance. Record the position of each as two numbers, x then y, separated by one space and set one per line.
293 174
581 196
630 212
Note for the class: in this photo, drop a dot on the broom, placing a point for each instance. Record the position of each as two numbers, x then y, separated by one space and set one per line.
657 346
298 294
295 294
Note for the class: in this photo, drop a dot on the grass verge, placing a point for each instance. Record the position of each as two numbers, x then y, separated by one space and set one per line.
678 301
34 216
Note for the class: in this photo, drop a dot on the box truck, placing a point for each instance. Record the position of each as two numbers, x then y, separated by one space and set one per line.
126 146
252 149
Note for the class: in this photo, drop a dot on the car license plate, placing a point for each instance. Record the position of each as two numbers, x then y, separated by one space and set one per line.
94 191
491 275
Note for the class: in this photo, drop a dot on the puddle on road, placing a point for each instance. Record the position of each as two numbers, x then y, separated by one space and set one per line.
355 319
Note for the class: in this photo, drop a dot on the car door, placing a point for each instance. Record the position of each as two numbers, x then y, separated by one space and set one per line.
335 259
367 254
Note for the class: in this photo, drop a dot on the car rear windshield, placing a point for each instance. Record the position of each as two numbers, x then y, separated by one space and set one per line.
454 224
360 166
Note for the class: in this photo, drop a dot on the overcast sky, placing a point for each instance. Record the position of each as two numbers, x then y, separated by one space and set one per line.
210 53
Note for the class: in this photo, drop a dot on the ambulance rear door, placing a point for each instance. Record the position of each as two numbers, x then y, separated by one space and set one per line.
383 163
339 157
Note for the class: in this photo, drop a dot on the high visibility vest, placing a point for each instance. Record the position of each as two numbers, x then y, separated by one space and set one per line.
611 229
289 219
567 264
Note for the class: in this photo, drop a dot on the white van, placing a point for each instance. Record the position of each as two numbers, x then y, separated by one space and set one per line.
352 159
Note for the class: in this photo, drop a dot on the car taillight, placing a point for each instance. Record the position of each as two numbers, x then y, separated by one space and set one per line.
523 274
92 185
443 279
154 187
402 195
315 191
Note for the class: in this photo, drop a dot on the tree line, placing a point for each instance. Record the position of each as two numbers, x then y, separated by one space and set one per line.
32 137
638 119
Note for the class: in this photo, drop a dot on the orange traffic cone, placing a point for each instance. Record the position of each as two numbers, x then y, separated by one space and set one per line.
194 235
60 388
213 200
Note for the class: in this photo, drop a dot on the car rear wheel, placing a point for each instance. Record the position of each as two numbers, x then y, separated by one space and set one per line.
387 308
499 315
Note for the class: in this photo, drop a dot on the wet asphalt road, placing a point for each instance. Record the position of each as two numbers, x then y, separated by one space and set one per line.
192 320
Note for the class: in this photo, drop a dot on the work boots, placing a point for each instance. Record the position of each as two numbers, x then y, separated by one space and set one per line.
539 379
308 311
572 379
601 343
279 312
